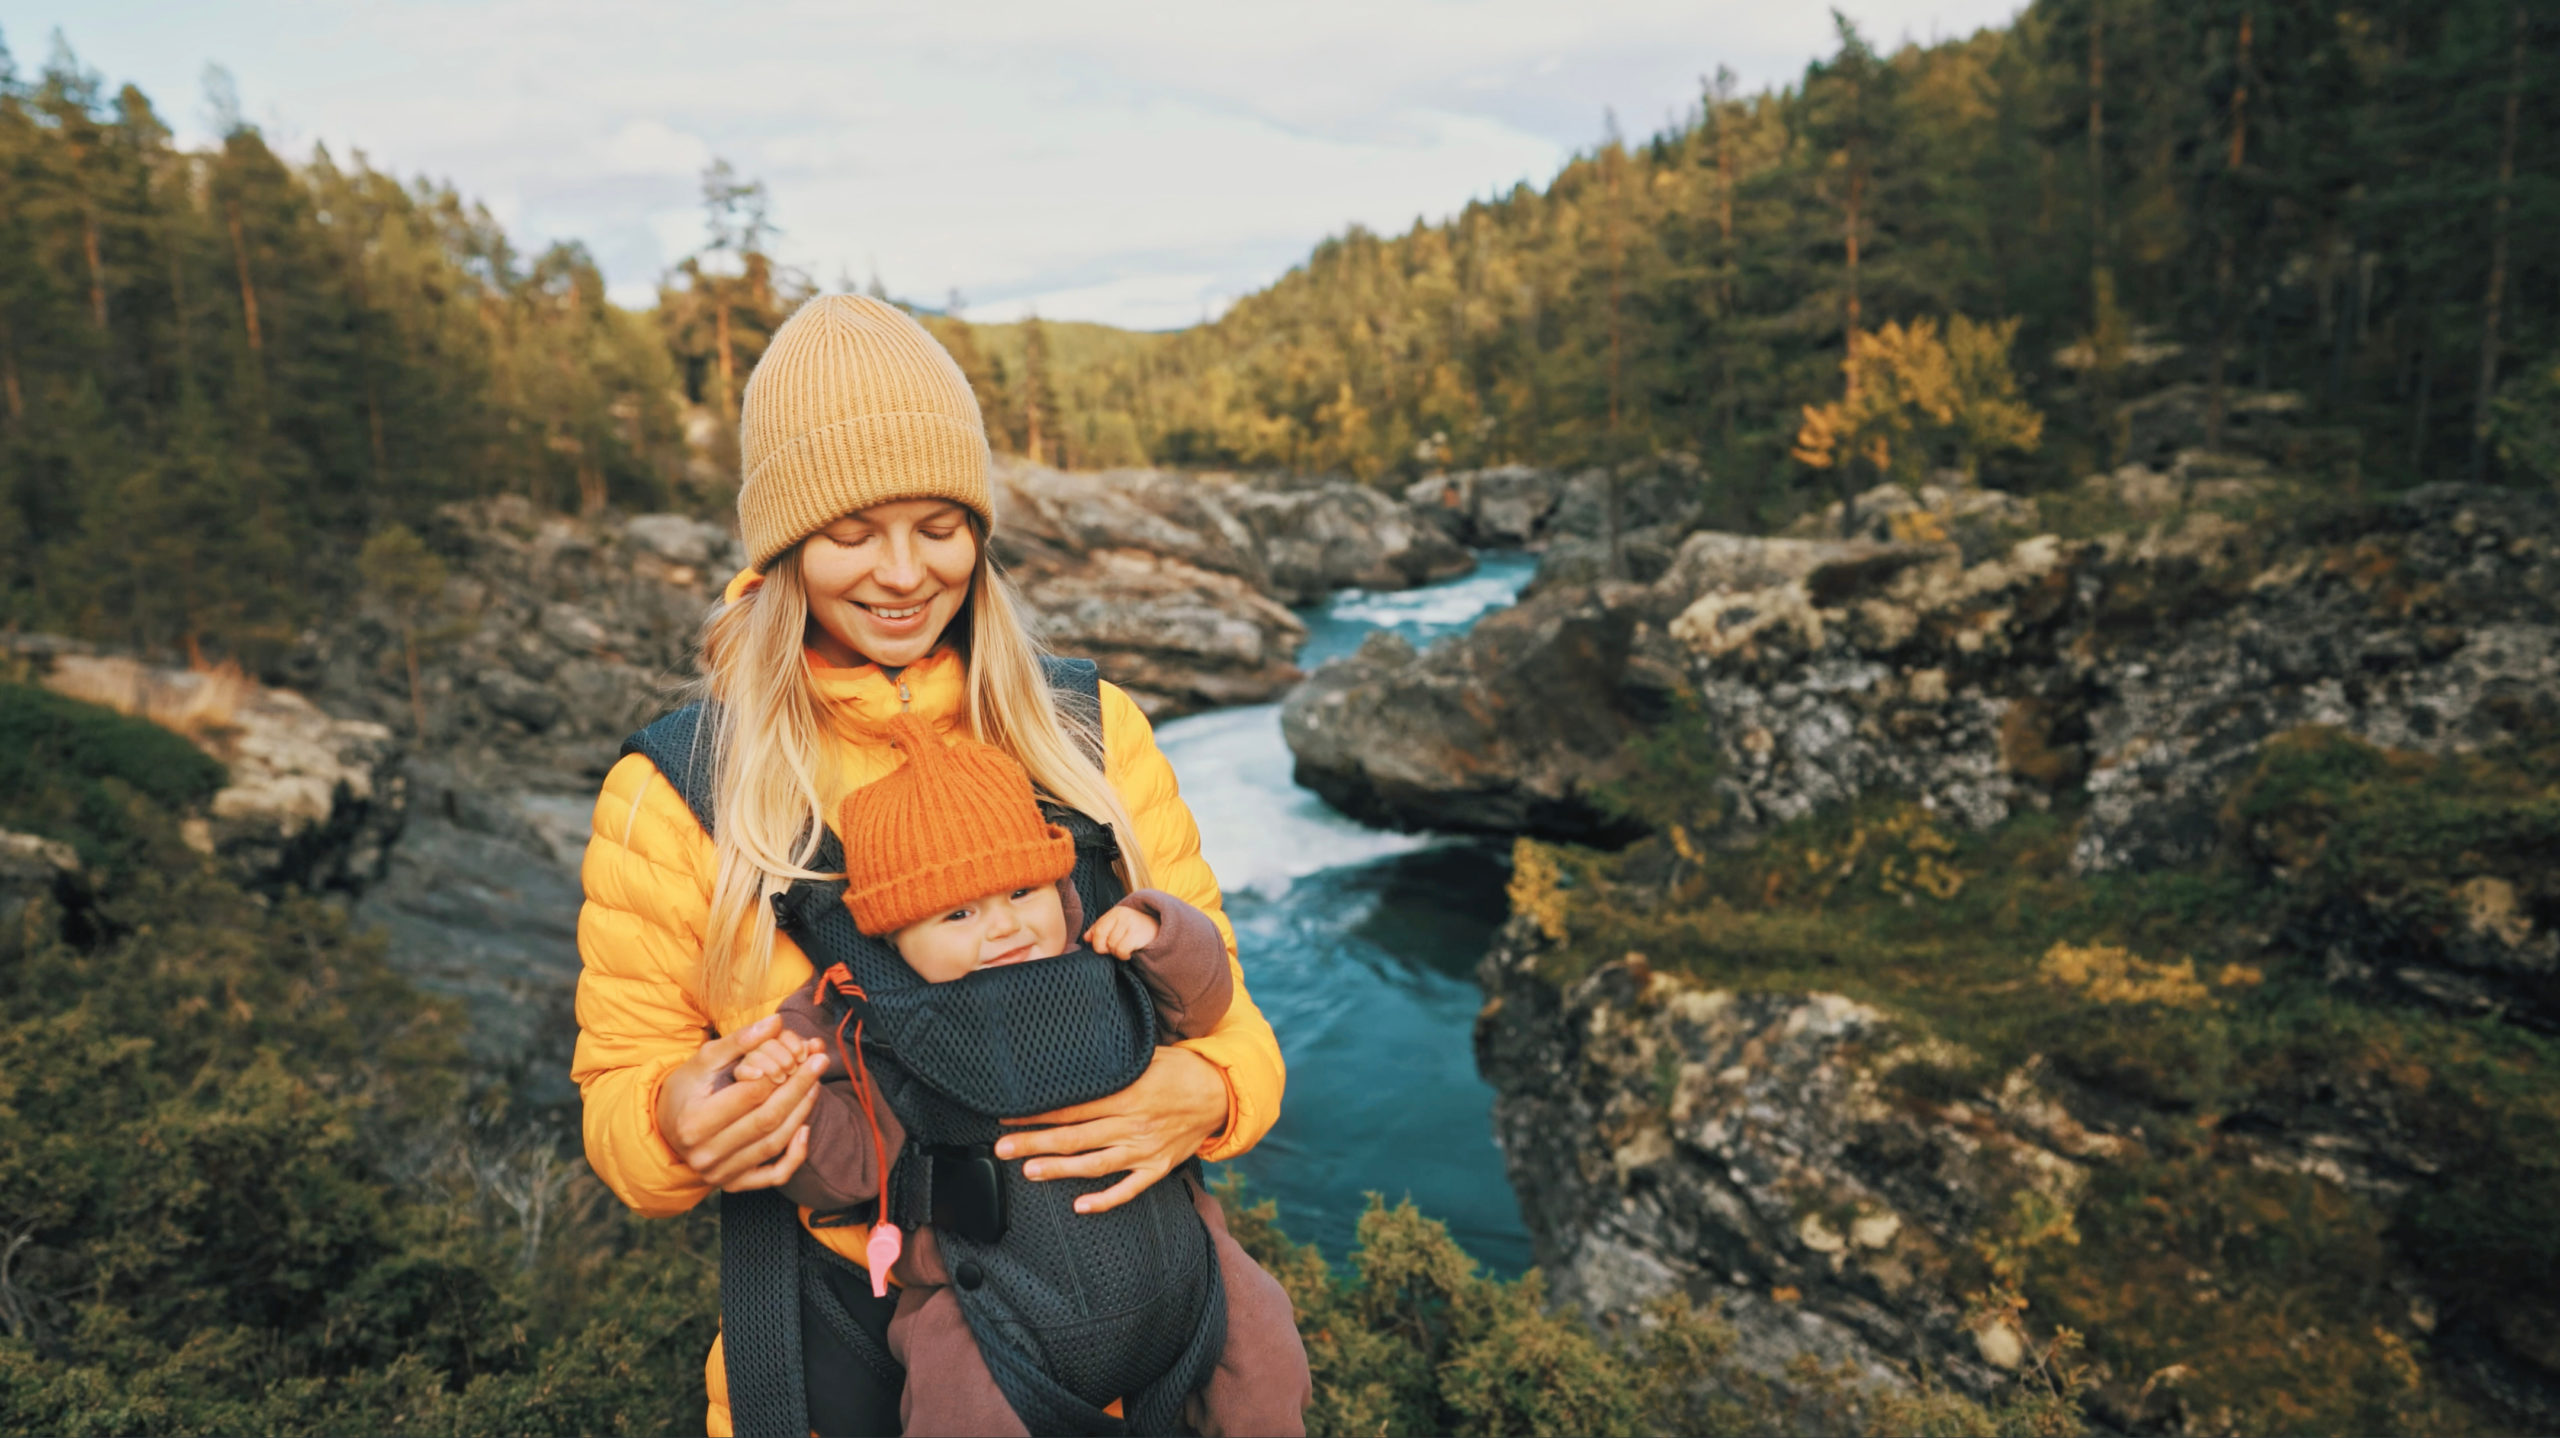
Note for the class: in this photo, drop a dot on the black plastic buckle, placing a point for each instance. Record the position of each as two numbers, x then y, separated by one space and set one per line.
968 1191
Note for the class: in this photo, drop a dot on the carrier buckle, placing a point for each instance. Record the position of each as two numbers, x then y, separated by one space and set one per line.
967 1191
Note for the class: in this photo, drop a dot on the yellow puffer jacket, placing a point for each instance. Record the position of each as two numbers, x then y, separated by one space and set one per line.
648 880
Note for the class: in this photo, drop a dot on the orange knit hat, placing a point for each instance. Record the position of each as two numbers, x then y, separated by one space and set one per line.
956 822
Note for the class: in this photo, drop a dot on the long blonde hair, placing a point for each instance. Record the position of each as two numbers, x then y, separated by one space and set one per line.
768 748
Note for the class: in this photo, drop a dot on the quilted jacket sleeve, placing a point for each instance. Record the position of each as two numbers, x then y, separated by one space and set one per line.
648 881
1242 1045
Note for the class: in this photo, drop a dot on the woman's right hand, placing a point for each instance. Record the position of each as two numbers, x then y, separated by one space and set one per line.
739 1136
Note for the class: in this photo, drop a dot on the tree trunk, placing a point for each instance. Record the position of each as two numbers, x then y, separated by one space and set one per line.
1035 388
2103 351
97 269
2216 406
178 313
2097 140
1617 262
417 693
1724 215
2418 419
1857 197
373 423
2495 300
248 290
2216 402
2349 320
2240 97
720 353
1724 286
10 393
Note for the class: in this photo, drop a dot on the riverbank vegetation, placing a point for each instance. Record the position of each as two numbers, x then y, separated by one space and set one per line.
2279 988
1414 1338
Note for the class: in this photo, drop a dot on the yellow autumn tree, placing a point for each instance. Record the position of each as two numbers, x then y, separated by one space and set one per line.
1917 402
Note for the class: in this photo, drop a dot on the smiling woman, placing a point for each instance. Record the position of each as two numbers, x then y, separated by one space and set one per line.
871 605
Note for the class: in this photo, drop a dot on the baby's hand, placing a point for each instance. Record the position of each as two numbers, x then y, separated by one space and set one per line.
1121 932
774 1060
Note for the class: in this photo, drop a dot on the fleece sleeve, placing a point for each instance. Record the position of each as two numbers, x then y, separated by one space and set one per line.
843 1163
1185 967
1242 1046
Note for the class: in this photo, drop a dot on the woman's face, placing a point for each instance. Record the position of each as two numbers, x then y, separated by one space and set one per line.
884 583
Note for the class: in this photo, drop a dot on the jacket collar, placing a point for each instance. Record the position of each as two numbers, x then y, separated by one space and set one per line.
863 699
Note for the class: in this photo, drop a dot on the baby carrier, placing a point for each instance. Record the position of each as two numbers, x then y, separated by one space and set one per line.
1070 1310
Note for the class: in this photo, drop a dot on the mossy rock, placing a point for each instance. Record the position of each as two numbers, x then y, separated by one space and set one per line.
111 785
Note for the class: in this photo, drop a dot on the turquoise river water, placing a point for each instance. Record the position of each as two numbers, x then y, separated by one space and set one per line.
1361 945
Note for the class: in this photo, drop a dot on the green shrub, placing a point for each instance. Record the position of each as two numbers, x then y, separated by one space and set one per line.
109 784
1416 1338
243 1189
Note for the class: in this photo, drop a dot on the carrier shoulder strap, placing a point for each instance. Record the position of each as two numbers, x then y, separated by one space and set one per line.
760 1243
760 1314
680 746
1077 683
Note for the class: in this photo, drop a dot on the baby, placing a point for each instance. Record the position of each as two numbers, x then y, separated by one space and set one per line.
951 860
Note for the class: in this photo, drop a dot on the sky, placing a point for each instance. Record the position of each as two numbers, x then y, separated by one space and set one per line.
1137 164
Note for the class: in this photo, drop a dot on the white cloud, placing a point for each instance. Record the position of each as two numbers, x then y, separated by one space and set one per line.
652 147
1114 160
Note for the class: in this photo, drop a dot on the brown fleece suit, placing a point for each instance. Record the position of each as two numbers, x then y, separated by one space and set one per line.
1261 1384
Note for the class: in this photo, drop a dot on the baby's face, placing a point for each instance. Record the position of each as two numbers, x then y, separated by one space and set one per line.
1005 928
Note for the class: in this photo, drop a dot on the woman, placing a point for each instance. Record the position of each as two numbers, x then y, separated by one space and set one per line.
864 510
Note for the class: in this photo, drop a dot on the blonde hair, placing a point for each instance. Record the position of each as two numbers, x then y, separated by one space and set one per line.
768 748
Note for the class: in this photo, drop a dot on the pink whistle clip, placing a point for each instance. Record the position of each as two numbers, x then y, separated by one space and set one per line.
881 1254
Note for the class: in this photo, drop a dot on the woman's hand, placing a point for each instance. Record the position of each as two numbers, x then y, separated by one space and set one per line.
740 1136
1146 1129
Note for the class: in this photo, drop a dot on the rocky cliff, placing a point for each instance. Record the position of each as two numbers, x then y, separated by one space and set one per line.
2139 668
312 801
2151 934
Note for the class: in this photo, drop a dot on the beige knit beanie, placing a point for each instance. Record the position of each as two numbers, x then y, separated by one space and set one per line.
853 405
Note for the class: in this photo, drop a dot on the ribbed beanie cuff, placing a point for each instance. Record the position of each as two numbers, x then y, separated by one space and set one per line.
918 895
956 822
853 404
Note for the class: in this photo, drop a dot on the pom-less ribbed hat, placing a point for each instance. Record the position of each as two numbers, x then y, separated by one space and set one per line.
957 821
853 405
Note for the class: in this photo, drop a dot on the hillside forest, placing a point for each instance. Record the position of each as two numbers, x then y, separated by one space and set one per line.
250 1180
232 366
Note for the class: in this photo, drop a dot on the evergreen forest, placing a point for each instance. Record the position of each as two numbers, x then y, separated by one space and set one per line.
228 367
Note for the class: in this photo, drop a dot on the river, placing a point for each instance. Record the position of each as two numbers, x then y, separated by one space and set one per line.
1361 946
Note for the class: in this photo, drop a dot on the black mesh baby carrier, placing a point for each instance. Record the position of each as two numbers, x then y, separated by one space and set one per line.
1070 1310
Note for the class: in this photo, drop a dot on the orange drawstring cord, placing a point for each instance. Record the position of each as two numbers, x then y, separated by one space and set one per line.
887 1240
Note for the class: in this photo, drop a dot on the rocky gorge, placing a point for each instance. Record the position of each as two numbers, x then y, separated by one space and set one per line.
2126 912
2028 904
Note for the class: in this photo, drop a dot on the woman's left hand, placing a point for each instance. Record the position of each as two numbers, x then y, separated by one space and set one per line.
1146 1130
